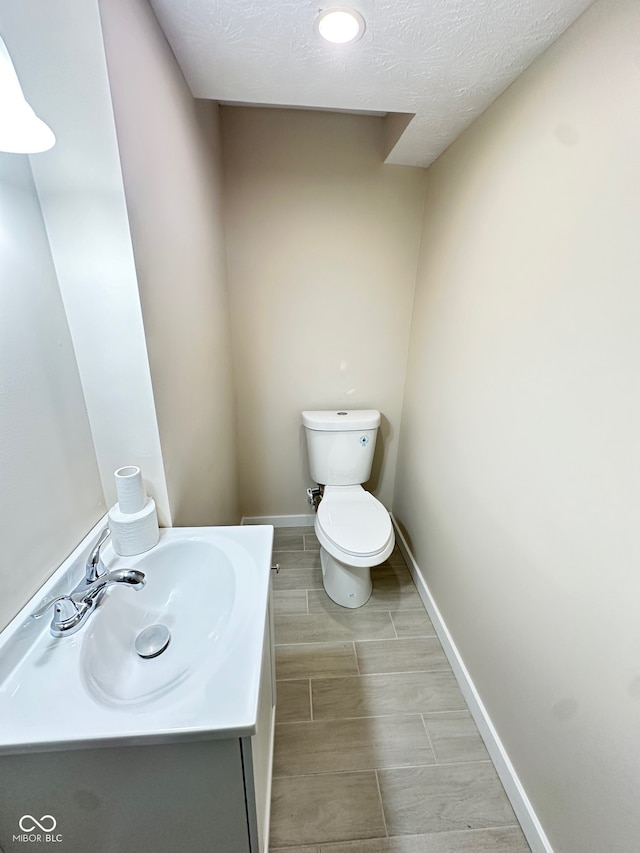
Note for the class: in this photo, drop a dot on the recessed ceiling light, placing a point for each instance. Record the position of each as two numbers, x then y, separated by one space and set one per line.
340 25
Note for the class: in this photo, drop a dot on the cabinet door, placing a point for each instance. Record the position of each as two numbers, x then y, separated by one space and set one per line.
153 799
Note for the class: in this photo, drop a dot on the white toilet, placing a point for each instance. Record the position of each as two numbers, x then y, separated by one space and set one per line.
353 528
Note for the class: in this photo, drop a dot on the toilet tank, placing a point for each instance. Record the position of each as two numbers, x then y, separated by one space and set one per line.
341 444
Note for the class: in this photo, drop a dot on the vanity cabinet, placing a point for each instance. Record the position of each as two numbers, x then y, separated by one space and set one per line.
174 791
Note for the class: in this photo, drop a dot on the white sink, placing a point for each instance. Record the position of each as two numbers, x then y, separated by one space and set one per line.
191 589
208 587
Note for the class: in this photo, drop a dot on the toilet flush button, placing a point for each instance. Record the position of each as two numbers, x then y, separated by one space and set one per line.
364 440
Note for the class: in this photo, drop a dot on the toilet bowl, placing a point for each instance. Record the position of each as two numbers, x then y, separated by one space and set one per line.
355 533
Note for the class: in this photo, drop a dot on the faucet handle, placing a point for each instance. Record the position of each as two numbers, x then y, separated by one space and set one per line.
92 570
66 615
65 609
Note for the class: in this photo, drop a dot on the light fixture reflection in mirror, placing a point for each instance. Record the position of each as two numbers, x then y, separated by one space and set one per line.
21 131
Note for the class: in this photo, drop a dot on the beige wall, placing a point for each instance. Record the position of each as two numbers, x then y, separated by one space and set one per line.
50 492
519 458
169 148
322 248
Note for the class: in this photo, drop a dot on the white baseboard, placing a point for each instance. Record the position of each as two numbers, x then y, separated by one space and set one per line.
306 520
529 822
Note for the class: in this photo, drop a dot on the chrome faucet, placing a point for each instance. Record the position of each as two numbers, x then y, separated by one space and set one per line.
71 611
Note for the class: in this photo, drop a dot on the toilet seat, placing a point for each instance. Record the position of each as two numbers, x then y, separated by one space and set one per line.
354 526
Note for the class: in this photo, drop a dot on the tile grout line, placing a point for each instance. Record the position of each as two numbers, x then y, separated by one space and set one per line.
347 640
393 624
365 674
373 717
394 767
426 730
384 820
384 672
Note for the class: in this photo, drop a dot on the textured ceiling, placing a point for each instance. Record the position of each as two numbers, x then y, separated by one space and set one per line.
441 61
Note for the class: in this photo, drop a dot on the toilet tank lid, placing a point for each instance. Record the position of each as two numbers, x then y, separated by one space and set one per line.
342 419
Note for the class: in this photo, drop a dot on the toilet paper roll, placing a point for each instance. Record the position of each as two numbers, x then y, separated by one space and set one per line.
134 533
132 497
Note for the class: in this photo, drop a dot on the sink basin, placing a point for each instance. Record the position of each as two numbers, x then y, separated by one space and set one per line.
208 586
190 589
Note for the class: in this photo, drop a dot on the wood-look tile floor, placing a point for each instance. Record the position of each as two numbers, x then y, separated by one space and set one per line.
375 750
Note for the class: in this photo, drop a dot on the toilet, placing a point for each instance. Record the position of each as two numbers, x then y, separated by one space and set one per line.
353 527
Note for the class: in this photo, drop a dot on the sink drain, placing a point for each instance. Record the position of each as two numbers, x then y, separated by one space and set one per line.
152 641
